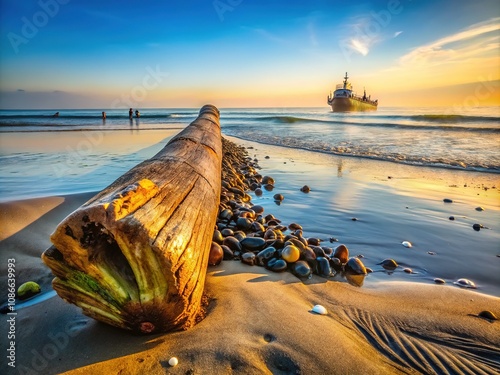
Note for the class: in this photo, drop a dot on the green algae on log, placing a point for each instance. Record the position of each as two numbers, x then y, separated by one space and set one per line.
135 255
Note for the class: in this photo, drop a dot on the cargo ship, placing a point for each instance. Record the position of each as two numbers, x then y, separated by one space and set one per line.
345 100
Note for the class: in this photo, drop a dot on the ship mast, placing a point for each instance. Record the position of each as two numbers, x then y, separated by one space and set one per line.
345 80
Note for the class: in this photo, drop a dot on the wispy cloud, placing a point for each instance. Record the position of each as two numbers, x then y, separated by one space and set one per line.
397 33
361 35
360 46
476 40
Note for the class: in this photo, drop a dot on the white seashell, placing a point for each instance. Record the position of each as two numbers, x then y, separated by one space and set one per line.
406 244
465 283
173 361
318 309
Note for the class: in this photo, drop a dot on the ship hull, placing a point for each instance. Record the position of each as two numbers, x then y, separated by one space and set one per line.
350 104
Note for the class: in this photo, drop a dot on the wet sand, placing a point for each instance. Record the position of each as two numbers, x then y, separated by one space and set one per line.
260 322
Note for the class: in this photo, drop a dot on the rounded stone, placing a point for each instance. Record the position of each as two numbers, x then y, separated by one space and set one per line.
305 189
244 223
216 254
27 290
267 180
487 315
228 253
290 254
253 243
278 197
341 252
226 232
232 243
217 236
477 227
248 258
301 269
323 267
389 264
355 266
276 265
294 226
264 256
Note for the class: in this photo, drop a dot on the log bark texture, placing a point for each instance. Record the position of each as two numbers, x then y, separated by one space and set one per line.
135 255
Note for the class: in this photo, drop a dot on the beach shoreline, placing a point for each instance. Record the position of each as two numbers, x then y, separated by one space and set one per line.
259 321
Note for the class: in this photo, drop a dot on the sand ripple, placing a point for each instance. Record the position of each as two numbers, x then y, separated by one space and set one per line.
428 353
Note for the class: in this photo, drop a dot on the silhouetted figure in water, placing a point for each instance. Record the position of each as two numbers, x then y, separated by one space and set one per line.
137 113
130 113
104 115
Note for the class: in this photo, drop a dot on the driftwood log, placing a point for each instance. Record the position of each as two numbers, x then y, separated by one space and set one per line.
135 255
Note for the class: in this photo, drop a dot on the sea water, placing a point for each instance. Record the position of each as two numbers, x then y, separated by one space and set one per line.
450 148
433 137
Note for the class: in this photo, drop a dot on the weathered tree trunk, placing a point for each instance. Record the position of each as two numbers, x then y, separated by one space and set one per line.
135 255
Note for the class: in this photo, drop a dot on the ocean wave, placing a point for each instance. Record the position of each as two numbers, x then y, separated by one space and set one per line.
363 122
369 153
288 119
451 118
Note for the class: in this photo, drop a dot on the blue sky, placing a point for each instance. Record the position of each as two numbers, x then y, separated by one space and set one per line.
239 53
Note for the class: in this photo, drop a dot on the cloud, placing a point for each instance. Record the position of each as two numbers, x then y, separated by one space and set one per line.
397 33
362 34
359 46
476 40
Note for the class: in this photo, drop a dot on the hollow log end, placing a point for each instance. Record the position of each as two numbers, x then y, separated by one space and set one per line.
210 109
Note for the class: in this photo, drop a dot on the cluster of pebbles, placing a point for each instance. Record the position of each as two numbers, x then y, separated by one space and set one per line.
245 233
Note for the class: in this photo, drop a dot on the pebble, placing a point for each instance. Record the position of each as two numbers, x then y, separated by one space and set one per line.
452 217
173 361
27 290
487 315
305 189
389 264
355 266
447 200
290 254
465 283
354 219
406 244
408 270
278 197
341 252
216 254
248 258
319 309
479 209
431 253
294 226
267 180
437 280
477 227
